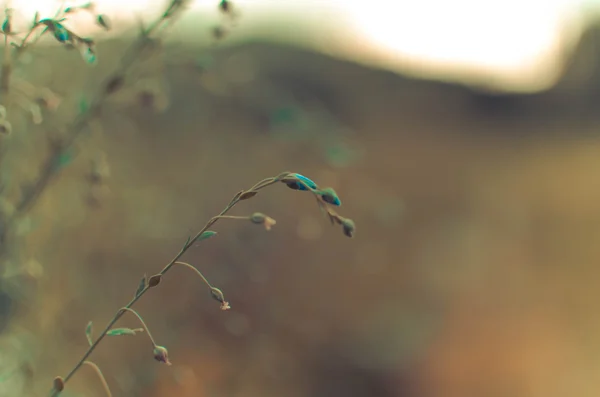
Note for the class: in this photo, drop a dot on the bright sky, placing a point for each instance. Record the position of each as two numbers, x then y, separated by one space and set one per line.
506 43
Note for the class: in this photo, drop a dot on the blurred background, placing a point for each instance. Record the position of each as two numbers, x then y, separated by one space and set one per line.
463 138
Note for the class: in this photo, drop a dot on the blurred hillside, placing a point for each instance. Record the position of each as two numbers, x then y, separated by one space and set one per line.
473 271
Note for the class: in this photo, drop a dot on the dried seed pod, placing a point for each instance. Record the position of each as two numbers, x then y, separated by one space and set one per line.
329 196
154 280
262 219
247 195
258 218
348 227
161 354
217 295
299 182
59 384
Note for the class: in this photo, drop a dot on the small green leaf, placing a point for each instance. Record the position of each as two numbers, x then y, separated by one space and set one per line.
206 235
142 284
88 333
123 331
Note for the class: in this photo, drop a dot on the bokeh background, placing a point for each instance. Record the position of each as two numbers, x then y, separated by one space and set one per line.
463 139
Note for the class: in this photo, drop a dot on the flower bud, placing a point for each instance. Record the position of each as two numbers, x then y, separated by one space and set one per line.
262 219
217 295
6 26
154 280
161 354
299 182
59 384
330 196
60 32
348 227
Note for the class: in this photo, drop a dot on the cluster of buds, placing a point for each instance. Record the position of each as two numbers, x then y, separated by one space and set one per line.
300 182
70 39
101 19
324 196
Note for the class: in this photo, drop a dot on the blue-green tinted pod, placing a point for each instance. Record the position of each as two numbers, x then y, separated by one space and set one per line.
299 186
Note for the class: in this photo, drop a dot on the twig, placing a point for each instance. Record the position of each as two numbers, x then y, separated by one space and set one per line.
240 196
122 311
49 169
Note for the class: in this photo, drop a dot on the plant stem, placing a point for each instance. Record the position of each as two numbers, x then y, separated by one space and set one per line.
173 261
245 218
195 270
126 309
101 376
79 125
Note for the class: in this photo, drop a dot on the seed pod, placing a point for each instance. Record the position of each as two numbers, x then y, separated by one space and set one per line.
247 195
217 295
154 280
299 182
161 354
59 384
258 218
330 196
348 227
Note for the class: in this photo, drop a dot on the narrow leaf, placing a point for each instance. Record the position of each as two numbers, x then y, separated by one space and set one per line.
123 331
88 333
206 235
141 285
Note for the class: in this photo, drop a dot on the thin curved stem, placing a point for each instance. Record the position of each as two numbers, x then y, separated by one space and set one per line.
127 309
245 218
101 376
234 201
196 271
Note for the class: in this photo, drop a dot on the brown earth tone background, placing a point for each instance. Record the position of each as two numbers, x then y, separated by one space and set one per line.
474 270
